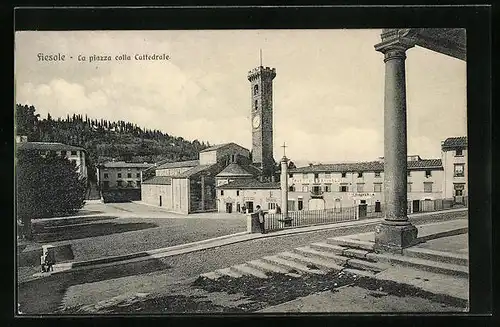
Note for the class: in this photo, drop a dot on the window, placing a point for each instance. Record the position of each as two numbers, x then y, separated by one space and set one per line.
377 187
408 173
328 175
300 204
271 206
119 183
221 192
459 153
427 187
238 193
305 189
428 173
256 105
105 185
63 153
290 175
459 189
343 188
408 188
130 183
360 174
291 189
344 174
360 187
256 89
73 161
129 175
119 175
138 175
328 188
106 175
459 170
138 183
73 153
377 174
316 175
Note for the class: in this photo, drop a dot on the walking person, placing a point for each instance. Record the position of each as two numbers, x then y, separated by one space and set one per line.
261 214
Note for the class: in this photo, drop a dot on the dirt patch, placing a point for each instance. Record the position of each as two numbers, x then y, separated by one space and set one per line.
402 290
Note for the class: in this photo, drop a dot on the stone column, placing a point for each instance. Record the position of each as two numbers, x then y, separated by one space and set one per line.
395 232
284 187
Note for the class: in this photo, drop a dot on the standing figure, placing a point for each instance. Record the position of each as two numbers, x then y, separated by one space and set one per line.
261 214
47 260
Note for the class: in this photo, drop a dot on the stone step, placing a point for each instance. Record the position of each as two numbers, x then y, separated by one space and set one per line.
229 272
355 253
359 272
213 275
367 265
422 264
245 269
453 258
323 264
310 252
351 243
266 266
320 246
291 264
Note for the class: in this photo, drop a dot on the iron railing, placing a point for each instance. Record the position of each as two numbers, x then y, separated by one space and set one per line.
309 217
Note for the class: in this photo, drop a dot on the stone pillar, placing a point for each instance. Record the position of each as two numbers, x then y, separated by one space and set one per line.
202 192
284 187
395 232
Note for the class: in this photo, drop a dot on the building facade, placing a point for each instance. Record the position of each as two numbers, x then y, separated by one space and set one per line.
120 181
74 154
190 186
244 194
454 158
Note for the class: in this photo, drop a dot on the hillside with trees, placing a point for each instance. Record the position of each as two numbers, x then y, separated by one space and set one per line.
106 140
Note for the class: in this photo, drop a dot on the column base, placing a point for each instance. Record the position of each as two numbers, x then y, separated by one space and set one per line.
393 237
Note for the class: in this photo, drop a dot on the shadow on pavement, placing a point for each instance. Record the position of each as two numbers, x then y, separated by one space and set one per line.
45 295
77 231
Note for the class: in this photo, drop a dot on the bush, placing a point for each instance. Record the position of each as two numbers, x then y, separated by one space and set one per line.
47 186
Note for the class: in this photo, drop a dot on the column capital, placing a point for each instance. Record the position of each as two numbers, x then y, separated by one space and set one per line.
394 44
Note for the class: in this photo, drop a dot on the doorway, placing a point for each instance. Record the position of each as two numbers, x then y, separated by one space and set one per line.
250 206
377 206
229 207
160 201
416 205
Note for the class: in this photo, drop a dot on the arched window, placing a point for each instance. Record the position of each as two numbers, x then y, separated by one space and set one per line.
256 89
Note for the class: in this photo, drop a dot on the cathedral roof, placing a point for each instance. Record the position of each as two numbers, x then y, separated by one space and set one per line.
195 170
250 183
234 169
179 164
158 180
367 166
220 146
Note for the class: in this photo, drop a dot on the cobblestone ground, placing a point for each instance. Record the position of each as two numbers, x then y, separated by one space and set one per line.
161 277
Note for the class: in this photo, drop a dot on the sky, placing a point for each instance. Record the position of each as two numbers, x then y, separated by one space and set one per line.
328 95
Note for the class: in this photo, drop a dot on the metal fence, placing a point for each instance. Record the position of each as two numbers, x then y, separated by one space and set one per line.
309 217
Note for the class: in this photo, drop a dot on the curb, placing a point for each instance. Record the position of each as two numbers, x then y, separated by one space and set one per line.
195 246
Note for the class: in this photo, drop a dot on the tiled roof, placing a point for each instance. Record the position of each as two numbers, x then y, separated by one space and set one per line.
123 164
158 180
234 169
47 146
179 164
193 171
249 183
454 142
220 146
365 166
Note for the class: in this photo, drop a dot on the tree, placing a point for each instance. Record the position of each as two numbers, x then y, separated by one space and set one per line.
47 186
26 121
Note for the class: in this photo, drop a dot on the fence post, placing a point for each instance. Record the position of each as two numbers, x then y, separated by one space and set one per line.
253 223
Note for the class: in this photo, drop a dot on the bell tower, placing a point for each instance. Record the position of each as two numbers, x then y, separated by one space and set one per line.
261 86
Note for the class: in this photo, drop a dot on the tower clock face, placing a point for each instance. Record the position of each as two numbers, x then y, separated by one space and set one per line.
256 121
